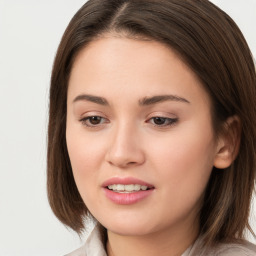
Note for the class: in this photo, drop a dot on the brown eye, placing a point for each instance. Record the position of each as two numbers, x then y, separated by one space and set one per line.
159 120
163 121
94 120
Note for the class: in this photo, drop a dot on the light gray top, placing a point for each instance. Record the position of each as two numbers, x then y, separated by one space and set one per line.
94 247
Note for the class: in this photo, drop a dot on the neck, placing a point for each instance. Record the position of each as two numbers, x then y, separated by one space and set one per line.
171 242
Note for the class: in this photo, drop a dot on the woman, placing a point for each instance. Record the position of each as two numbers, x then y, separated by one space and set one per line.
152 129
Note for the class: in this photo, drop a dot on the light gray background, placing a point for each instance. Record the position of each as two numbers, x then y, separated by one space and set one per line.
29 35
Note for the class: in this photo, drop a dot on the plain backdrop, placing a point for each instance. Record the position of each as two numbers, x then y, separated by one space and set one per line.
30 32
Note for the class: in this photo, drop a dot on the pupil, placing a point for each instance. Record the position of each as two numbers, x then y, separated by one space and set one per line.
159 120
95 120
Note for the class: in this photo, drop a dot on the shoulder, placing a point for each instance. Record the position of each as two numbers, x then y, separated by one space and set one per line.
78 252
236 249
239 248
92 247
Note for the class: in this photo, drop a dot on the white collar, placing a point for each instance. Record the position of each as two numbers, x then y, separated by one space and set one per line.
95 247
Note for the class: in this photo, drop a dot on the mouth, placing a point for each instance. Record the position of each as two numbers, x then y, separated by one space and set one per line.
128 188
127 191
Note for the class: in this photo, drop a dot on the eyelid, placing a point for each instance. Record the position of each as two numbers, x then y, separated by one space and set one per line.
167 122
92 113
86 116
169 119
162 114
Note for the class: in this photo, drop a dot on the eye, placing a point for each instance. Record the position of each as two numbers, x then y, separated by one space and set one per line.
163 121
93 121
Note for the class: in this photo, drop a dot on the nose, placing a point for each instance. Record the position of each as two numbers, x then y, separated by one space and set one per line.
125 149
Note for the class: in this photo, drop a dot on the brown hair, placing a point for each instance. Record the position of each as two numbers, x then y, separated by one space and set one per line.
212 45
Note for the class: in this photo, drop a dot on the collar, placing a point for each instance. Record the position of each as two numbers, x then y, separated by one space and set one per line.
94 245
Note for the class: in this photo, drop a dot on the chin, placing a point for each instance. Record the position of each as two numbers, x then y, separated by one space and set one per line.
129 231
128 228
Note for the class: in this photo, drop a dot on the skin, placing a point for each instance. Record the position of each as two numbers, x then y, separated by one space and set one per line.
176 157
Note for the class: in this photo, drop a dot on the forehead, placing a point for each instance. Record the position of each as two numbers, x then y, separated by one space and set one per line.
123 53
115 66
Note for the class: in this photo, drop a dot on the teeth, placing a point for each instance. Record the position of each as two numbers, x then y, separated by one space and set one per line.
136 187
126 188
144 187
120 187
129 188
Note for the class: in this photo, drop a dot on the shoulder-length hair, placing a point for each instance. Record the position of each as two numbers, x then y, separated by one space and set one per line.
211 44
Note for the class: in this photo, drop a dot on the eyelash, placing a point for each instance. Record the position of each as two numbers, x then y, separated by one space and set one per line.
87 119
167 122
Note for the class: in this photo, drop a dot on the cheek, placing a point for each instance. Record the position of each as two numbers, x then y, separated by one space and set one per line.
85 161
184 162
84 147
85 157
183 167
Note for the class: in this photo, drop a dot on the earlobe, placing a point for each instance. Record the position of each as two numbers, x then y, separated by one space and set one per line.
228 143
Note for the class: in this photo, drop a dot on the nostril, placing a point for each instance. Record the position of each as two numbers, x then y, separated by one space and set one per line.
131 163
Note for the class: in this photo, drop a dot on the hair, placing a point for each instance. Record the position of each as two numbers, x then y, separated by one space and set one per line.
211 44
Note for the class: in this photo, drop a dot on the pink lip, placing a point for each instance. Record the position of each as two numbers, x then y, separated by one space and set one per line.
126 198
126 181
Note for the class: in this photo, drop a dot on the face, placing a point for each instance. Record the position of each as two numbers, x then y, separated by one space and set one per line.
139 136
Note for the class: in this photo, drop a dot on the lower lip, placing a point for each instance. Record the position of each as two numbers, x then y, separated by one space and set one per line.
127 198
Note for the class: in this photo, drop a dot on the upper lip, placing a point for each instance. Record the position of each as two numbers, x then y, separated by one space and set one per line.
126 181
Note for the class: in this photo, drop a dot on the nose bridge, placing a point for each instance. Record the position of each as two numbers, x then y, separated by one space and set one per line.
124 147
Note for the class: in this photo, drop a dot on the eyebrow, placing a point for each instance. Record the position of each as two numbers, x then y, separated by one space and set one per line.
161 98
91 98
143 102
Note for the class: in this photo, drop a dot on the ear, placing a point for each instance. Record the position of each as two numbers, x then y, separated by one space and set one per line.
228 143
